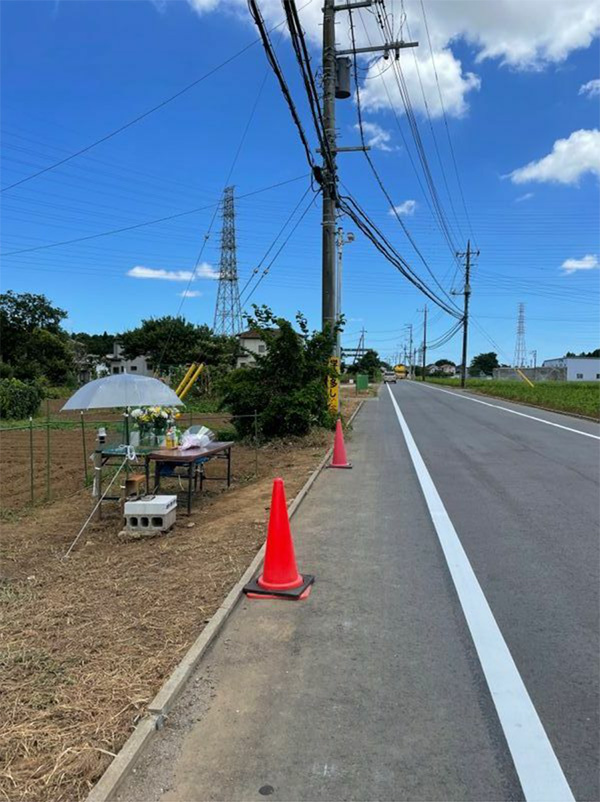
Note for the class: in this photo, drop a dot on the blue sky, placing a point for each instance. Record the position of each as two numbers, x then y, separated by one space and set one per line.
511 75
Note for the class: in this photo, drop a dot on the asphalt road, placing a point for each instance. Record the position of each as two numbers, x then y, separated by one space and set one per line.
373 689
524 497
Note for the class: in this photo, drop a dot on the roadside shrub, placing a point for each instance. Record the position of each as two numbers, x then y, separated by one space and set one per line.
287 386
19 399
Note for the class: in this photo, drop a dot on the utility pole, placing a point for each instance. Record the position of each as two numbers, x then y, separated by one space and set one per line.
329 186
424 343
340 241
336 83
534 352
467 295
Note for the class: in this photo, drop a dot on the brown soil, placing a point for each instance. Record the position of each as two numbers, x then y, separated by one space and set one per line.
88 641
67 472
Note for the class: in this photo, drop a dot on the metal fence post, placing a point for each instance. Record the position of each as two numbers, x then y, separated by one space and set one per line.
47 450
255 443
85 467
31 458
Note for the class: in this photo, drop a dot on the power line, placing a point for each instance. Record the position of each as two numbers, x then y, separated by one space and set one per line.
458 181
279 250
374 170
433 136
303 58
383 21
147 222
272 58
368 227
256 270
135 120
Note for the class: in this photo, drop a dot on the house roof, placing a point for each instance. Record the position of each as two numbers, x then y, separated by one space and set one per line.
254 334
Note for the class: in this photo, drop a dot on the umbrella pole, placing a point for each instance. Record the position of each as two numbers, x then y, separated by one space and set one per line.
127 426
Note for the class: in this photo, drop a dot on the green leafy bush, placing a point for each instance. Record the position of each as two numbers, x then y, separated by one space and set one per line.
19 399
287 387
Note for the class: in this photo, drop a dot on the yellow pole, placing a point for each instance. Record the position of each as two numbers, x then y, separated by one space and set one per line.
184 381
191 382
524 377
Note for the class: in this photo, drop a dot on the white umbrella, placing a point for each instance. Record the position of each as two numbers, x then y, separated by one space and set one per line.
123 390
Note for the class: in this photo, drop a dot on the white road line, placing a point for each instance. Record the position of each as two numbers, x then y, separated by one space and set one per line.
537 766
513 411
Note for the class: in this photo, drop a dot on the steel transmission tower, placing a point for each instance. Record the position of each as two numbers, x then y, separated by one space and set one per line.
228 311
520 347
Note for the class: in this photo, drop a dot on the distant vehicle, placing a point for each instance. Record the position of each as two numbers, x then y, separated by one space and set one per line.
400 371
389 376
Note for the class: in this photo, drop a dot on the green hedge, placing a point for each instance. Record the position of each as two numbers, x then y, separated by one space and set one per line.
19 399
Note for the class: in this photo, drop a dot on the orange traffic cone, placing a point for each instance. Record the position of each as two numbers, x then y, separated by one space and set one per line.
280 577
340 460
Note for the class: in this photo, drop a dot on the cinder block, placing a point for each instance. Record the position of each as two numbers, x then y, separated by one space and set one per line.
151 514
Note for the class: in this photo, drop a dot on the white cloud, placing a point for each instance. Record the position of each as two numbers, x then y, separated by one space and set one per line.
525 197
522 34
408 207
454 84
589 262
189 294
525 34
591 89
203 270
155 273
376 136
569 160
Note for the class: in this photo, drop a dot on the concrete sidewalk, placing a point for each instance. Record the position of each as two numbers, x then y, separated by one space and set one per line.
369 690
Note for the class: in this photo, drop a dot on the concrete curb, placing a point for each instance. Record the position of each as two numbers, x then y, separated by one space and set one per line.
108 785
124 762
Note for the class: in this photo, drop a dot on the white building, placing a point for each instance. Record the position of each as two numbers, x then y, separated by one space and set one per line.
578 368
117 363
252 343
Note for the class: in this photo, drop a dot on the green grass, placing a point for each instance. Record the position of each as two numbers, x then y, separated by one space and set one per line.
582 398
205 405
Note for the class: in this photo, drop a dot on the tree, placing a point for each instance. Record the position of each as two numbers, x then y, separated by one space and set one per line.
96 344
593 354
368 363
169 342
287 386
484 363
33 344
441 362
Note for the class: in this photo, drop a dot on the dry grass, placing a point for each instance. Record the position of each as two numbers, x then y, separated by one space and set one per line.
87 642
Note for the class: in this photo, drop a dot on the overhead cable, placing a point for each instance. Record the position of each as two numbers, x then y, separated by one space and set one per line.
350 206
280 249
148 222
273 61
376 173
452 153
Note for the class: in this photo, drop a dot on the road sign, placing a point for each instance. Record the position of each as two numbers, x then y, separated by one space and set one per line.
333 386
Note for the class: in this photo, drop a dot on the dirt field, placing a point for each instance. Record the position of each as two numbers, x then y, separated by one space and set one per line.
66 449
87 642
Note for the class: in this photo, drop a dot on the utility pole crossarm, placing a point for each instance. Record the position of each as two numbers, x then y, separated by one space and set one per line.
385 49
352 6
347 149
